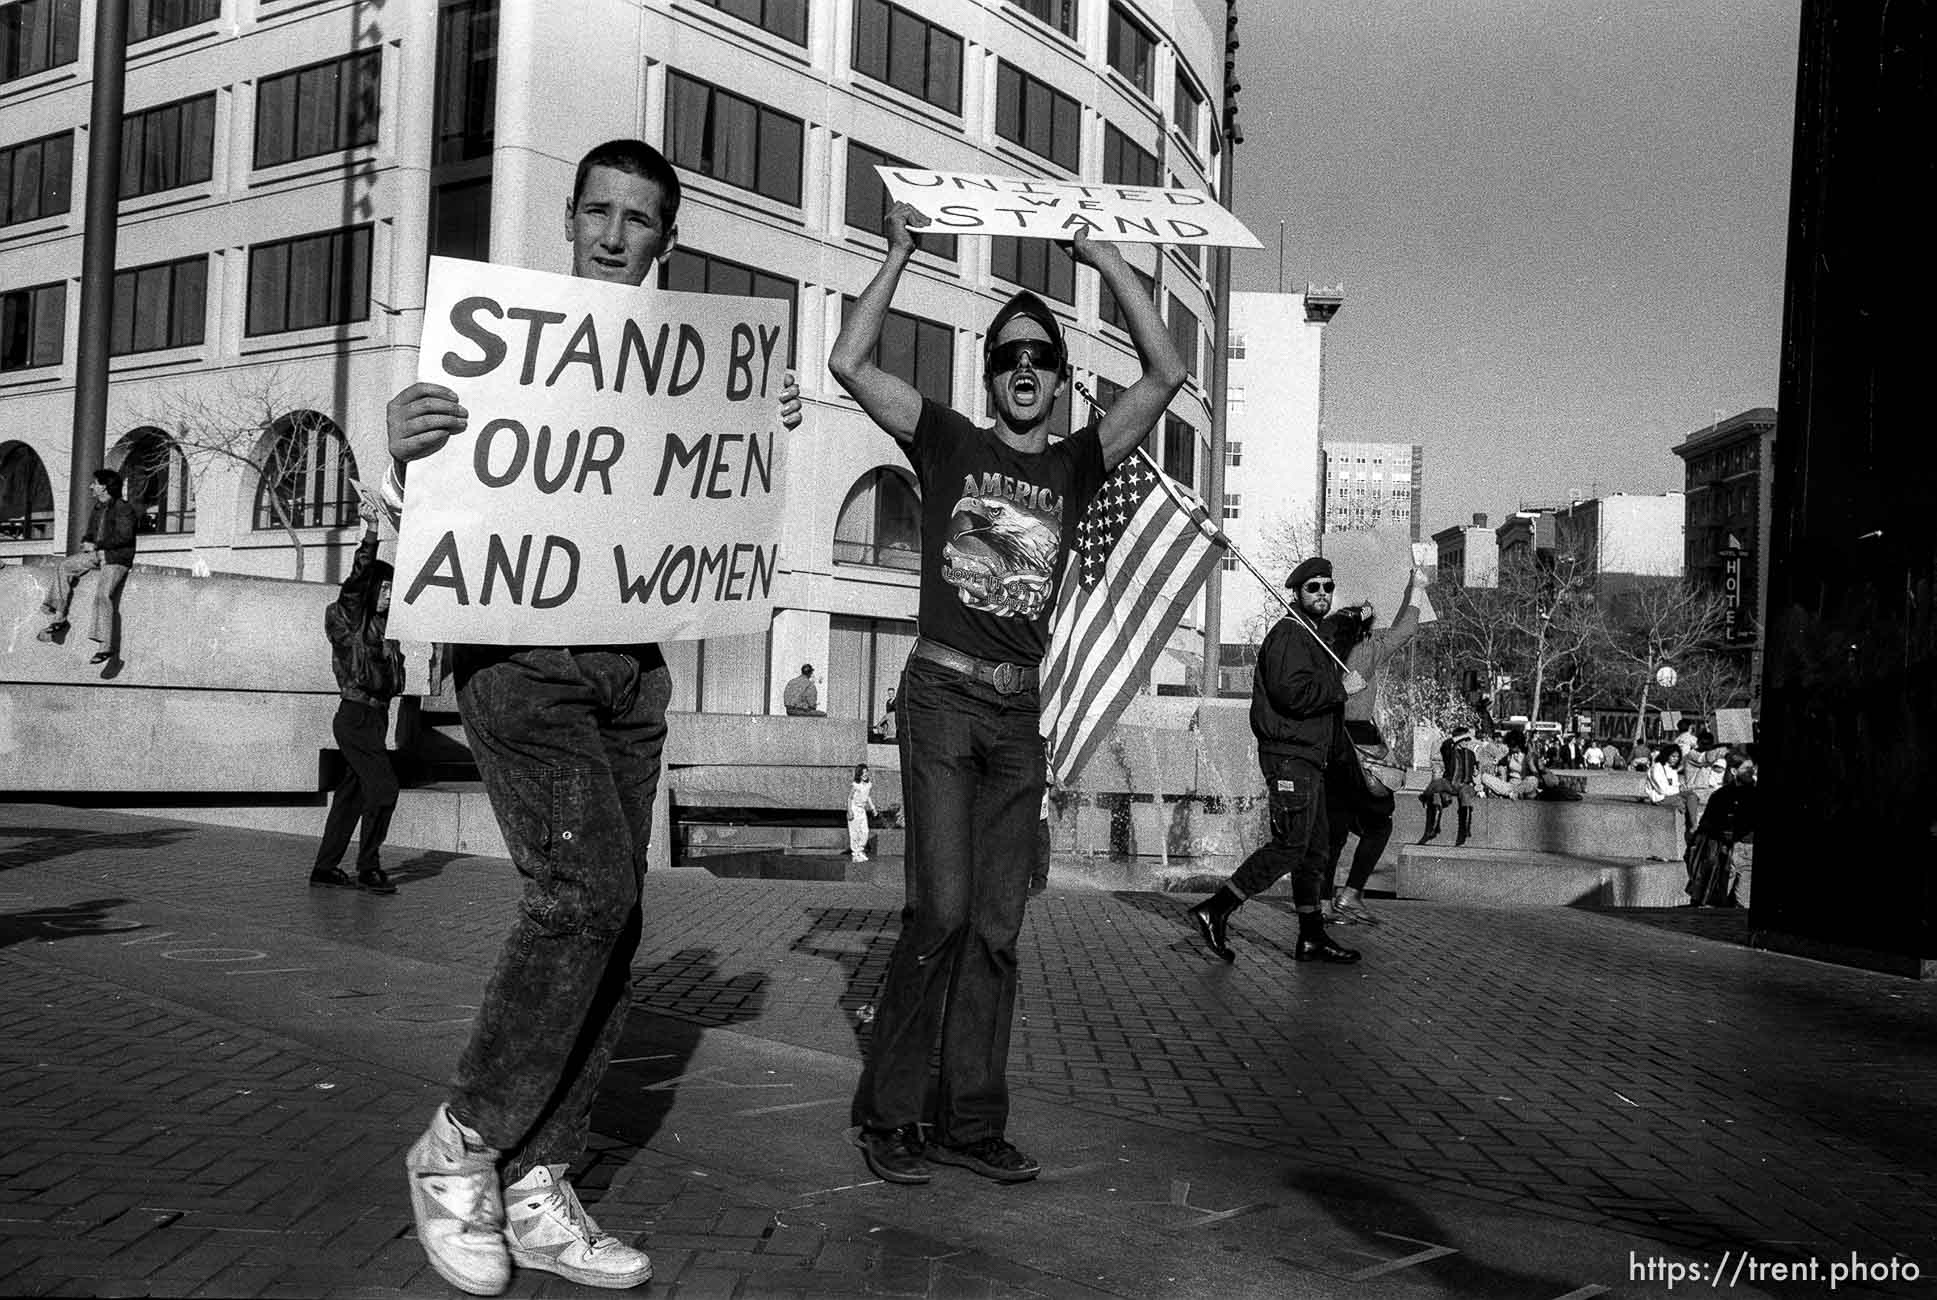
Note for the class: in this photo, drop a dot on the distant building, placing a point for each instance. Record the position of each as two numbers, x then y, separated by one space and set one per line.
1622 537
1373 485
1731 468
1271 455
1469 554
1527 537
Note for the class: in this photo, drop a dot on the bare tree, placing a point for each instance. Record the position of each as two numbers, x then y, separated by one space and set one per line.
1481 630
1286 540
266 422
1654 624
1551 609
1710 681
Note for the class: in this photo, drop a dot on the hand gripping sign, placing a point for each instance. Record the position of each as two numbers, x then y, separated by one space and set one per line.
620 476
959 203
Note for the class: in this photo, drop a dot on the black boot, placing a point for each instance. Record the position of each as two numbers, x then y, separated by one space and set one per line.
1209 917
1433 814
1315 945
1465 827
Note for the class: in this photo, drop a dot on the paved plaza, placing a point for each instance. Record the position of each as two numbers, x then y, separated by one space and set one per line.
209 1074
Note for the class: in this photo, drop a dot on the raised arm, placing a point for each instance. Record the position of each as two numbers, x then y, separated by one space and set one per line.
889 400
1127 423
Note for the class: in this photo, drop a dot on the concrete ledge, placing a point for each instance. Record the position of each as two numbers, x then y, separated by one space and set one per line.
1490 877
1591 827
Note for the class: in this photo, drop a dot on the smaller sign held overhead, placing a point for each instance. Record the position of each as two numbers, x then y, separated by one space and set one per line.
963 203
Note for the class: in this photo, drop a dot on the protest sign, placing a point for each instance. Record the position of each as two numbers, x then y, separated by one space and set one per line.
961 203
1735 726
620 476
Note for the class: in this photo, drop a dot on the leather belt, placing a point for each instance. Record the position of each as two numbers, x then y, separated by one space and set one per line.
1008 679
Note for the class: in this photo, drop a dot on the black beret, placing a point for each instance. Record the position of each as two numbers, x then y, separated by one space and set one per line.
1316 567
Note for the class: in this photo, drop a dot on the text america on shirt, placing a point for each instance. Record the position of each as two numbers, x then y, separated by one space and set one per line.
1000 553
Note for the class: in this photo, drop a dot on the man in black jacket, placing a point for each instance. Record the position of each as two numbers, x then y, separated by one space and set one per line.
107 545
1298 696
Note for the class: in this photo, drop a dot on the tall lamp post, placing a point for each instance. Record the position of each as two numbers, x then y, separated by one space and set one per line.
1221 358
90 433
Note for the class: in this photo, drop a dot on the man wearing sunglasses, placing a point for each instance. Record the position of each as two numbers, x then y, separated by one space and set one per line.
1000 506
1298 695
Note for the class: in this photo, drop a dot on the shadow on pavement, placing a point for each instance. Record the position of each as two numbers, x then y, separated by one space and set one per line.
858 940
45 843
68 921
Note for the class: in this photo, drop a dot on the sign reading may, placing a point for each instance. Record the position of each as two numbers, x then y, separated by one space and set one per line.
619 478
959 203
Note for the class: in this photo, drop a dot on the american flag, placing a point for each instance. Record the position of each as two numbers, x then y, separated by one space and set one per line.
1143 548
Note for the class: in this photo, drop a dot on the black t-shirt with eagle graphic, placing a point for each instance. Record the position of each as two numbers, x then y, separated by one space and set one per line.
996 527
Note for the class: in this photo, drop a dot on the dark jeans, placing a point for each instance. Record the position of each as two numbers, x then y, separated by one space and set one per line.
972 764
368 790
568 743
1351 809
1299 835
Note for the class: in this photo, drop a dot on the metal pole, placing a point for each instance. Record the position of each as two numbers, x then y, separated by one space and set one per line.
1220 414
97 262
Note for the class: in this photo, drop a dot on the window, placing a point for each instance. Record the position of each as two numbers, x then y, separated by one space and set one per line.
467 80
1060 14
1229 564
309 281
460 220
1133 51
871 653
155 481
306 473
36 178
36 35
1037 264
319 109
159 306
26 495
880 523
1042 120
1125 162
148 19
1233 454
1233 400
917 350
719 134
1187 110
33 326
166 147
1180 451
786 19
1111 311
1233 503
909 53
690 272
1234 345
1183 334
868 202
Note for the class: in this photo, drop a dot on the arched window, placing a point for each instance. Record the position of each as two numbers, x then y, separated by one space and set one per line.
26 495
155 481
306 469
880 523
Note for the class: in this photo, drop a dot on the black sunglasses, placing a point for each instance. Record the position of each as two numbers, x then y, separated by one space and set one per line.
1319 585
1042 354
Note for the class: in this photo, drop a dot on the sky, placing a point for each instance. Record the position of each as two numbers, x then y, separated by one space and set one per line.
1560 226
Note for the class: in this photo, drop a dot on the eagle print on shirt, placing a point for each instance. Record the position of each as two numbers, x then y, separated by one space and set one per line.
1000 554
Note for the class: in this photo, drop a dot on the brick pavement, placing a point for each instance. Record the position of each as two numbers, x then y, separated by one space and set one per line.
1535 1071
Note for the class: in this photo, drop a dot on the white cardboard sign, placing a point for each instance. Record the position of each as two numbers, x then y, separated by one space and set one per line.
621 474
963 203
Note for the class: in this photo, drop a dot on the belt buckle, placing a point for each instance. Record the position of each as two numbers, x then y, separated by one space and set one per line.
1006 678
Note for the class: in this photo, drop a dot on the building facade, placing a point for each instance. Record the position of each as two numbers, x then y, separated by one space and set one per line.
1730 468
1621 537
1373 485
1275 394
1468 554
290 164
1526 538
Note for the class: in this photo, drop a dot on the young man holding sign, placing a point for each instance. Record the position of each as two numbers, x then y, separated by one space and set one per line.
568 741
1000 508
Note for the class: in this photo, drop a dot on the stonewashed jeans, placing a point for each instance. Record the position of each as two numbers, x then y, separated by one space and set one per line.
568 743
972 764
1300 836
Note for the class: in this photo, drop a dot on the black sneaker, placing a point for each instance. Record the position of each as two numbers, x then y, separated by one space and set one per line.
332 878
896 1155
375 880
992 1157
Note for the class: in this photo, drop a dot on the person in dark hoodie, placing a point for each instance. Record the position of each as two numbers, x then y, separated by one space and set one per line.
1298 695
369 674
107 545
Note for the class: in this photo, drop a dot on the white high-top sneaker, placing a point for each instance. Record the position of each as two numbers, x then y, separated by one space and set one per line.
454 1196
547 1229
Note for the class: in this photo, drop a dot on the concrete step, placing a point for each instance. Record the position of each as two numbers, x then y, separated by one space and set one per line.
1521 878
1591 827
